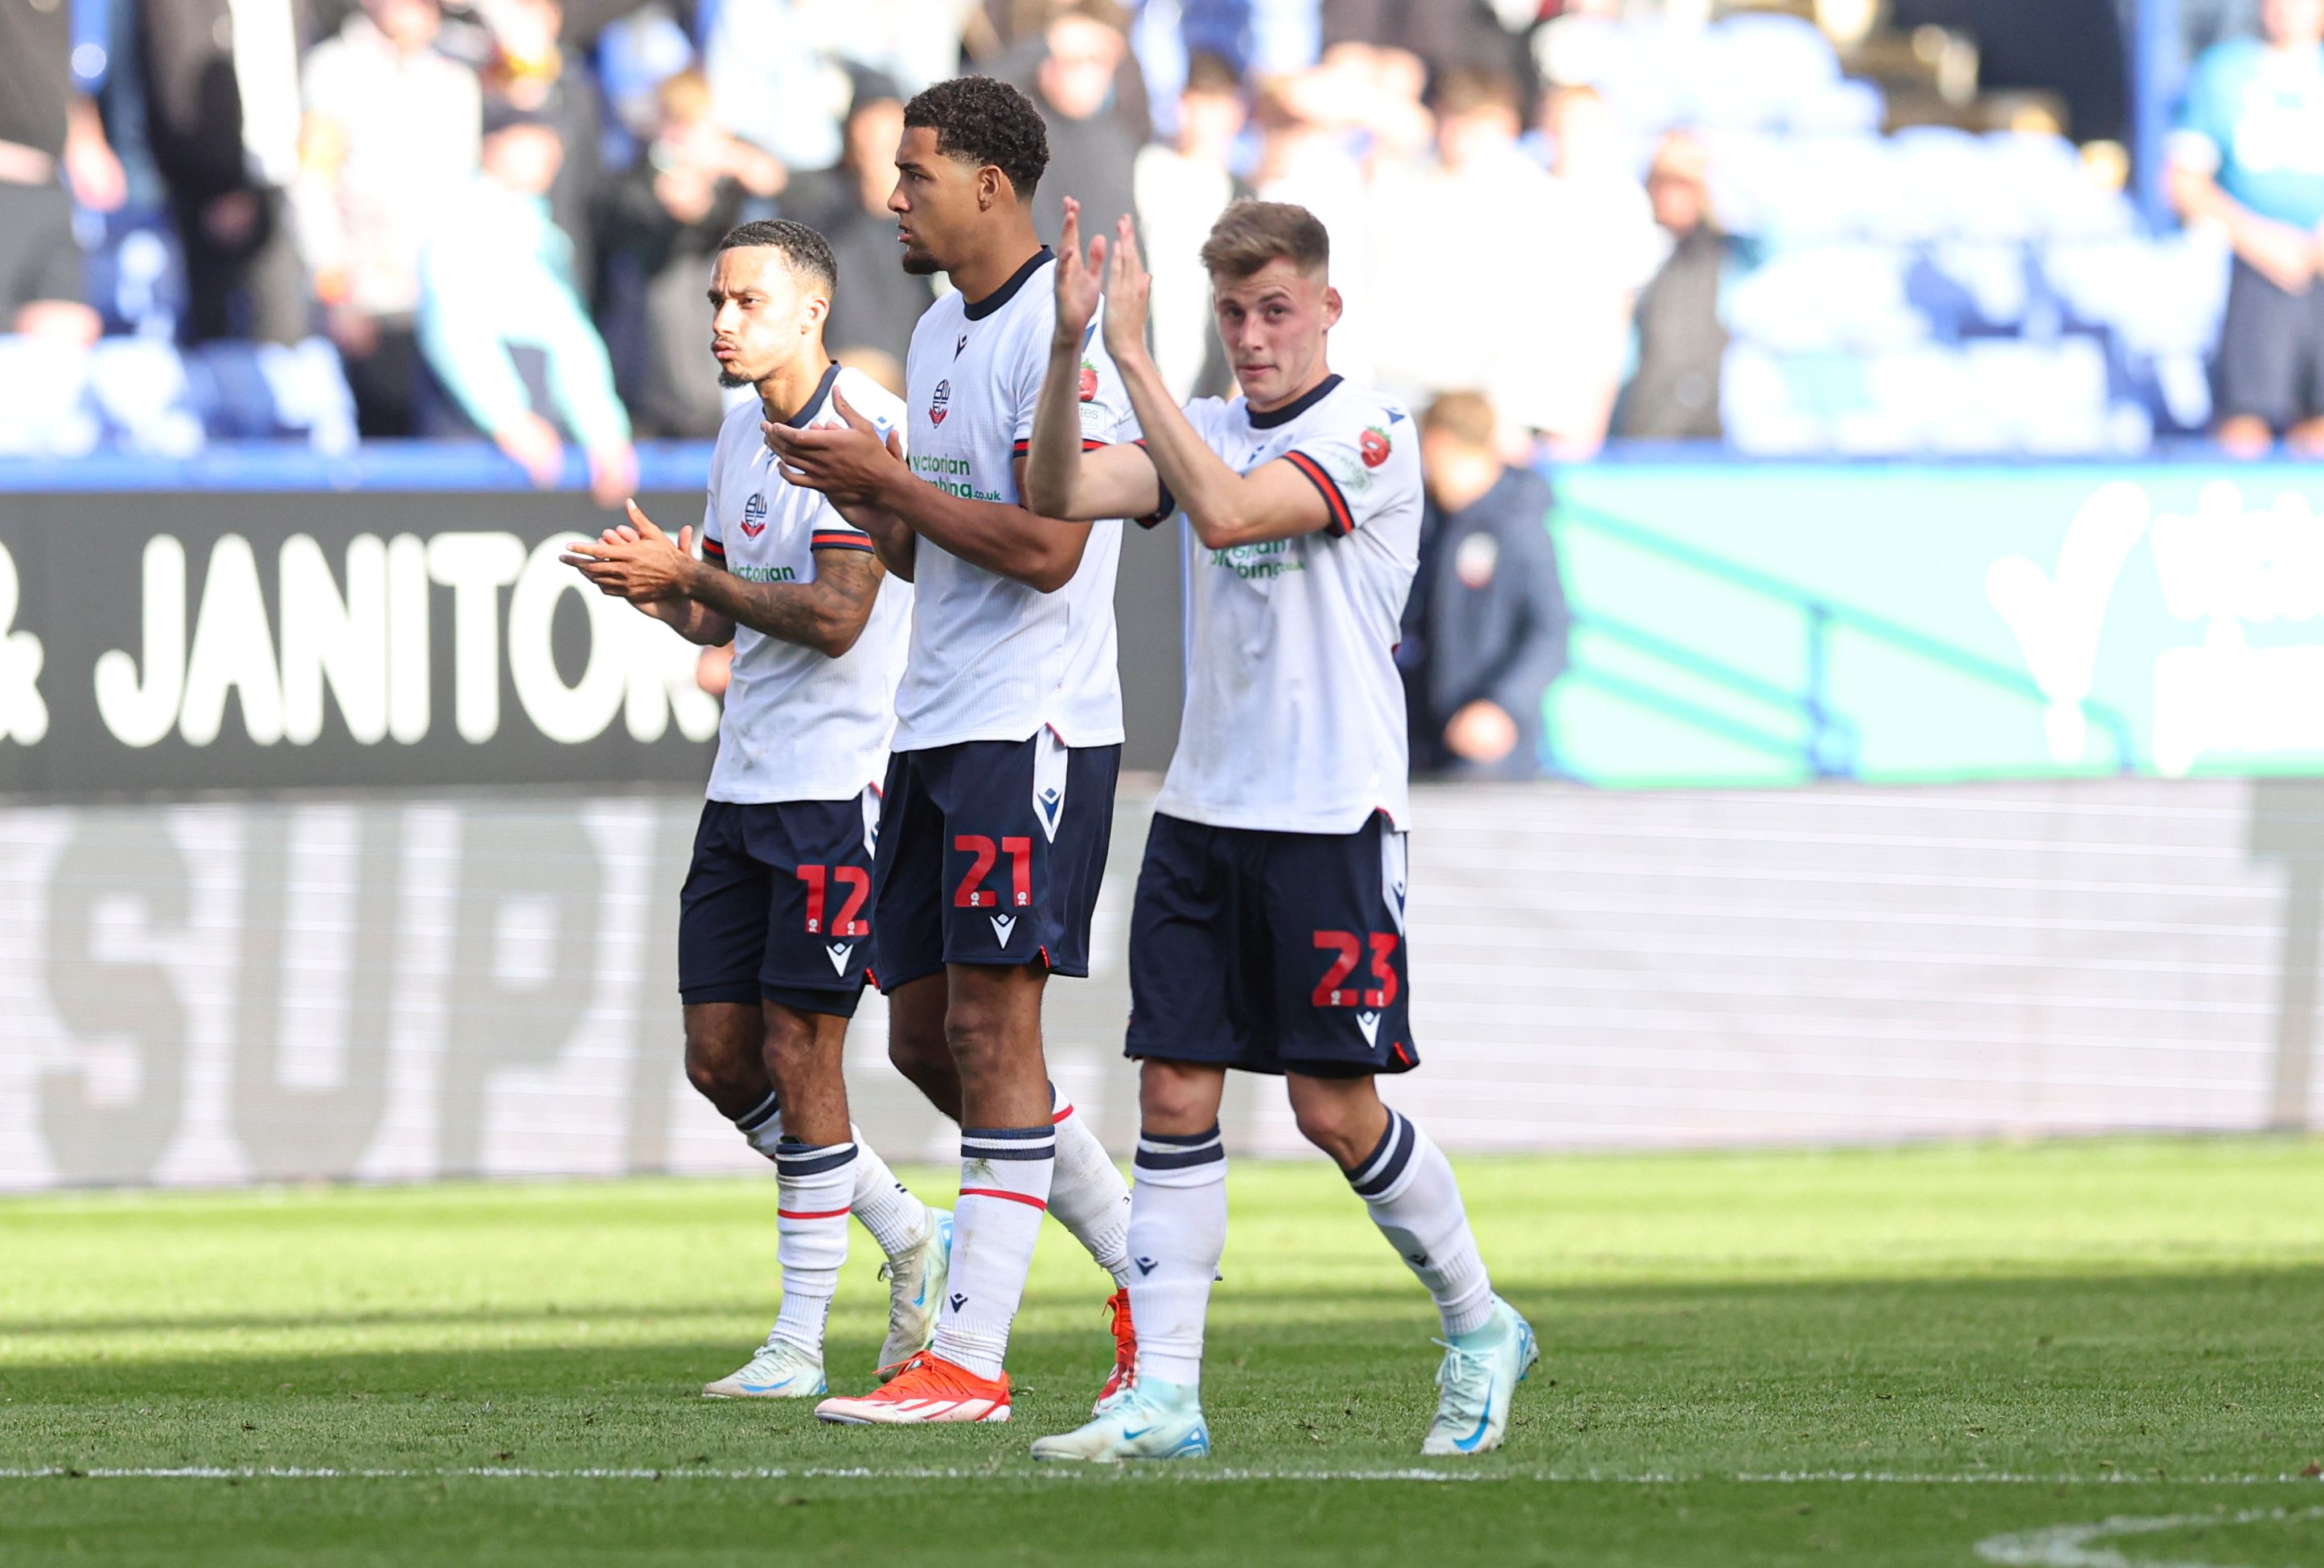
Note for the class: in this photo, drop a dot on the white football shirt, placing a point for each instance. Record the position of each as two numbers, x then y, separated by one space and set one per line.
799 724
992 658
1294 712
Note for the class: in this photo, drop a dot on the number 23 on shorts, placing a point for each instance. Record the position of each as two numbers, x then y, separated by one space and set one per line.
1348 949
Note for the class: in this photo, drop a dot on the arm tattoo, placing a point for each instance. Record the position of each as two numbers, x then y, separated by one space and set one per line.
826 613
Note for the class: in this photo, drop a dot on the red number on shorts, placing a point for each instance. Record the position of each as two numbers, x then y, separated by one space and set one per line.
857 881
973 894
857 884
1383 949
815 878
1331 990
1019 852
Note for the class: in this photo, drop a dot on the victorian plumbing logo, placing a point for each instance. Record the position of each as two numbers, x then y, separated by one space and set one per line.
2222 565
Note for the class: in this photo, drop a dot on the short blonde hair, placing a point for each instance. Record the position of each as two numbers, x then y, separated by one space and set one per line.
1465 416
1251 234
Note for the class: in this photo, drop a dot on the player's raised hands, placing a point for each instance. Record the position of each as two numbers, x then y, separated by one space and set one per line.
1126 287
634 561
1077 278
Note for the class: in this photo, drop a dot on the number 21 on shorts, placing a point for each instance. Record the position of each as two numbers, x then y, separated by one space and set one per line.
972 894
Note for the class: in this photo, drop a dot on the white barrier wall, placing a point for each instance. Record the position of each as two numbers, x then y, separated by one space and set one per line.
395 988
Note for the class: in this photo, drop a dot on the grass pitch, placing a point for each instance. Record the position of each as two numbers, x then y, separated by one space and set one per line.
2097 1354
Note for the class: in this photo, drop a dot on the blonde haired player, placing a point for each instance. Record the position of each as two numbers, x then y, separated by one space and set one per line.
1267 934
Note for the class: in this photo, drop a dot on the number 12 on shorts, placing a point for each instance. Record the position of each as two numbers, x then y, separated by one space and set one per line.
1348 949
854 881
973 893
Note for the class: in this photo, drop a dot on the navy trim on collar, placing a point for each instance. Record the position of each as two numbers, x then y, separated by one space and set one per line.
1293 409
1008 291
807 410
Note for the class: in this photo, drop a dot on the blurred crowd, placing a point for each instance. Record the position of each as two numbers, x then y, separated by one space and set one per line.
490 218
498 213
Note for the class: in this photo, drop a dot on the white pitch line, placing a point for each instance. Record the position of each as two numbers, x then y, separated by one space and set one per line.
1173 1473
2072 1546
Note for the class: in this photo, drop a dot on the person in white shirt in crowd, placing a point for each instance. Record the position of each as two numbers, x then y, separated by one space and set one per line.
393 128
1181 190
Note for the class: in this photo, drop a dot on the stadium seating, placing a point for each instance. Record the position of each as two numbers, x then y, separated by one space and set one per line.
1931 290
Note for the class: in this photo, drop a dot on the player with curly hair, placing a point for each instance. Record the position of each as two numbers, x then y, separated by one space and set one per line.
998 803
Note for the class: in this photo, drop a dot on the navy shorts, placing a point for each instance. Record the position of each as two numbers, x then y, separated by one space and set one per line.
778 904
990 851
2270 362
1272 952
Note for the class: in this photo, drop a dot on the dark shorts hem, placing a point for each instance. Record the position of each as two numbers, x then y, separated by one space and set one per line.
835 1003
737 992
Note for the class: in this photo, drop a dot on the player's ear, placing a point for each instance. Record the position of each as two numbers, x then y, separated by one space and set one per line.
1332 306
813 312
989 181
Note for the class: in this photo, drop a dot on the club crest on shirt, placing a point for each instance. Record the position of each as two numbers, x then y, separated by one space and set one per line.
1374 446
754 517
1088 382
939 403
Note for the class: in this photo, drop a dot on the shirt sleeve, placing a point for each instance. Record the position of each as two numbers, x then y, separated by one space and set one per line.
868 398
1105 414
1351 468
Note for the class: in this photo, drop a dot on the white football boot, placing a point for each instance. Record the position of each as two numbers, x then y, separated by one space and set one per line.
1478 1382
916 1288
780 1371
1147 1420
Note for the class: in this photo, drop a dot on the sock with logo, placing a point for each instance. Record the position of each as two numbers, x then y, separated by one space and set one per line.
1408 1186
897 1220
1088 1195
1177 1232
1004 1189
811 1229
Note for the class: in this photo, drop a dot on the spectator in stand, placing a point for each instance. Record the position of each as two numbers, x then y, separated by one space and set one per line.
665 216
2249 156
877 303
1608 247
390 134
772 82
1181 192
530 70
1447 34
47 130
221 87
1475 232
1485 626
1681 333
504 330
912 43
1092 149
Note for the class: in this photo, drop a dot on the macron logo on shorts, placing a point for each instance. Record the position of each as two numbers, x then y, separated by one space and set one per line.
1003 926
1050 760
1369 1023
837 953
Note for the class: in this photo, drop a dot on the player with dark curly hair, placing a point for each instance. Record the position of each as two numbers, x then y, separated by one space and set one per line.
999 802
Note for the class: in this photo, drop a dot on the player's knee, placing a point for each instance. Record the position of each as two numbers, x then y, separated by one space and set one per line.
981 1040
724 1077
920 1057
1175 1097
1343 1124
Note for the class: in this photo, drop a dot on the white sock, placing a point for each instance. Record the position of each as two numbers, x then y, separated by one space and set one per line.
1408 1186
762 1126
1177 1232
811 1227
1088 1195
897 1220
1004 1189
